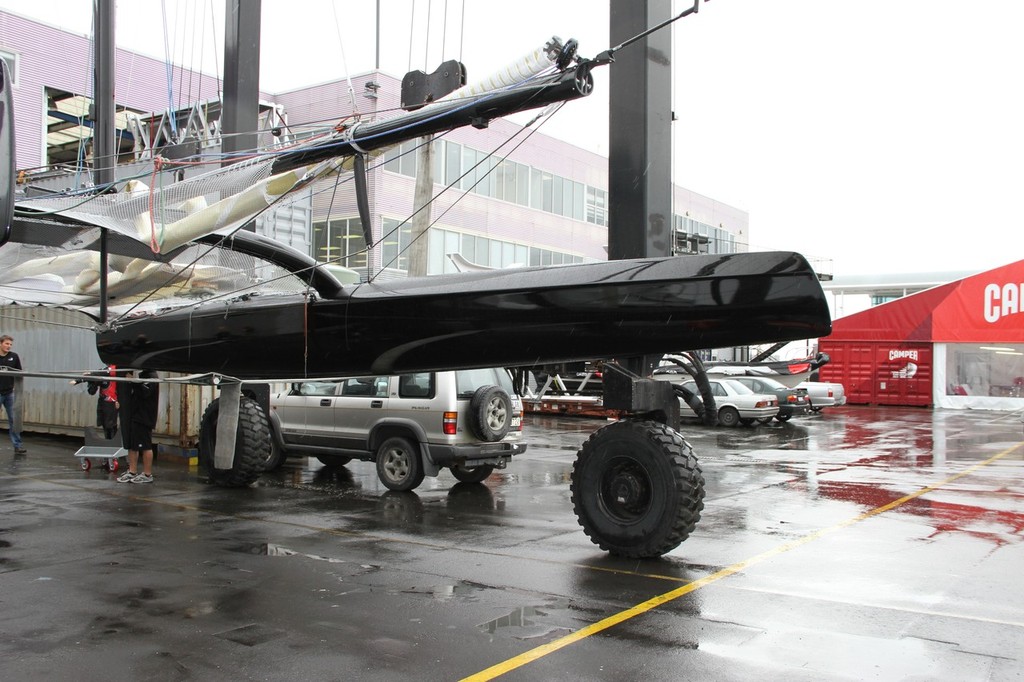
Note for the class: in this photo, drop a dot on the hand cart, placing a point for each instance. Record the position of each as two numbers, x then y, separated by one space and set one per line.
107 452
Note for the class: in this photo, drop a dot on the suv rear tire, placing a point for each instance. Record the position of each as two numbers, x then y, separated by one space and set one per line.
490 413
399 466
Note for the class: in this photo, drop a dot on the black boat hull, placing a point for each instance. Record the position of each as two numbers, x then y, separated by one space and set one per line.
513 317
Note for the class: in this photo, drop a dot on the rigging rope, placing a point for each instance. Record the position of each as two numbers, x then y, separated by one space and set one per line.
170 75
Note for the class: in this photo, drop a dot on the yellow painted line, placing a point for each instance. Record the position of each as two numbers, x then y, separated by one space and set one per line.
539 652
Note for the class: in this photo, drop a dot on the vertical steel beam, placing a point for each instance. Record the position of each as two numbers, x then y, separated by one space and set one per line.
639 156
640 116
104 154
240 118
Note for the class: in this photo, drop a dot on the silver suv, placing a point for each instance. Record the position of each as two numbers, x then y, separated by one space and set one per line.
412 425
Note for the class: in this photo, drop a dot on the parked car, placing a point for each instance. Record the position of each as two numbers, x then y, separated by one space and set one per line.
793 402
736 403
411 425
824 394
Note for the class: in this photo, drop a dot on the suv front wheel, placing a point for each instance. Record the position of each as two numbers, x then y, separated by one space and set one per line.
399 466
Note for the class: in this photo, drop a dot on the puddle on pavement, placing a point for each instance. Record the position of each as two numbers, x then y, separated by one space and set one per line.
274 550
527 622
463 591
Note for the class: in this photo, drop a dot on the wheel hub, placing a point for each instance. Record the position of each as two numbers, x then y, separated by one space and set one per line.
626 491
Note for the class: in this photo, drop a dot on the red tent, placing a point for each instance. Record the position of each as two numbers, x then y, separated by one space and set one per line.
884 355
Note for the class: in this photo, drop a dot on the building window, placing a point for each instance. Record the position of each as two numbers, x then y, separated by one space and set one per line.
597 206
340 241
492 253
995 370
394 253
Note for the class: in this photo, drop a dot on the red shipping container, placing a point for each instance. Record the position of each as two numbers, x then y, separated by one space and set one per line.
881 372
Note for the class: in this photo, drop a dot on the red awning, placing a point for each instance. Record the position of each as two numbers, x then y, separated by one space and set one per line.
982 308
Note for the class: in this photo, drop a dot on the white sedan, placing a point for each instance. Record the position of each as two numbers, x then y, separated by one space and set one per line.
824 394
735 402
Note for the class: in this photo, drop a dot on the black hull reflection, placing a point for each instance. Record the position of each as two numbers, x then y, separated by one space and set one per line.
520 316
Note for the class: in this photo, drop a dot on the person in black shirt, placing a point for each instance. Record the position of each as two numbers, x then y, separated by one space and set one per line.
9 361
138 409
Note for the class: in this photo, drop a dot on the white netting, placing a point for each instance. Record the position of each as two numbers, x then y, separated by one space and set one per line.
33 275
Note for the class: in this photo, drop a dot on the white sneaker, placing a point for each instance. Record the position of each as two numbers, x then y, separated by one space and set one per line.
126 477
142 478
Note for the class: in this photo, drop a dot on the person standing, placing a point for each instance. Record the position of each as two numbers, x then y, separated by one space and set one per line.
106 404
9 361
138 410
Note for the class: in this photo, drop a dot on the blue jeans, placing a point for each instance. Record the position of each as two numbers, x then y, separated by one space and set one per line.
8 402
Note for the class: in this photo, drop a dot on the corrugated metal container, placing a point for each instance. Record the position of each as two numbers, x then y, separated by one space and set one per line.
881 372
51 340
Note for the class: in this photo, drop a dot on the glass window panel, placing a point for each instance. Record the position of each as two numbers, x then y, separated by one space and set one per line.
354 246
509 191
522 254
435 252
578 197
453 163
410 151
468 163
499 181
468 249
391 161
535 256
495 257
522 184
452 244
508 254
483 249
556 195
548 192
536 189
438 160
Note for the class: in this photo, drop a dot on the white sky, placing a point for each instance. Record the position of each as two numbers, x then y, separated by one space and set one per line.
887 135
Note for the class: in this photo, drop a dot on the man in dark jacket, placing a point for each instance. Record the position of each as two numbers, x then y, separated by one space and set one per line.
138 409
9 361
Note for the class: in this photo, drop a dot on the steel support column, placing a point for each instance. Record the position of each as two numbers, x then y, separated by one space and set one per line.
240 118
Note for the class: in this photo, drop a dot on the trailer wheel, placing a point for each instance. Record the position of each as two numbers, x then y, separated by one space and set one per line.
490 413
86 464
637 489
475 474
252 444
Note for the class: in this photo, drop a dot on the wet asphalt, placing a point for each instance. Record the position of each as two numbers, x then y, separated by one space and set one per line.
857 544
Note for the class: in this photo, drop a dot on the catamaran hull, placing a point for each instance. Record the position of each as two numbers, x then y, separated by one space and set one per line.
512 317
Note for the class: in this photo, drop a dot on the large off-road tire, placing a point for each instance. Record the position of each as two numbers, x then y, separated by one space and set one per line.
334 460
490 413
472 474
728 416
252 444
637 489
399 465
